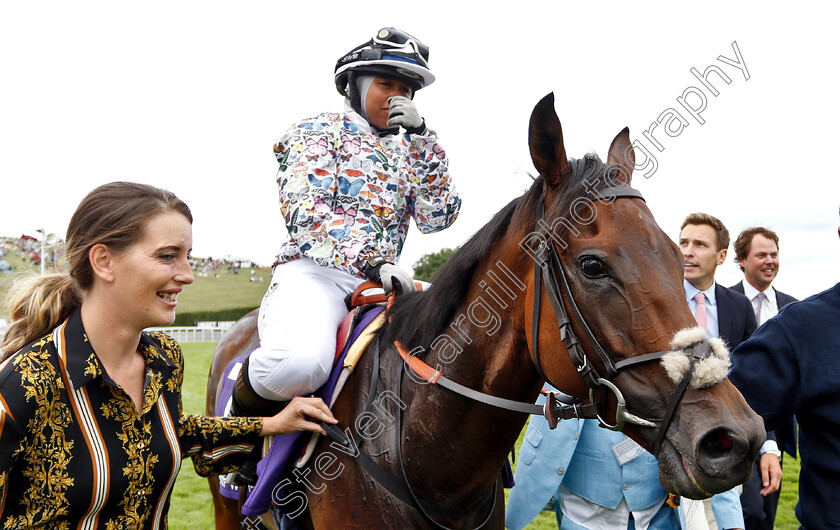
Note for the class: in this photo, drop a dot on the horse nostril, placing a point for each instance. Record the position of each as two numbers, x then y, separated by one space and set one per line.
716 444
719 449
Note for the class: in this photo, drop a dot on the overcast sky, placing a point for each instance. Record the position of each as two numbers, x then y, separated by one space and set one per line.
190 96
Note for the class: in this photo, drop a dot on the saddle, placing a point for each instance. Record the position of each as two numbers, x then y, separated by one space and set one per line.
283 453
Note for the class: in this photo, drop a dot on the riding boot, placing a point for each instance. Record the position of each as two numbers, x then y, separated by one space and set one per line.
246 402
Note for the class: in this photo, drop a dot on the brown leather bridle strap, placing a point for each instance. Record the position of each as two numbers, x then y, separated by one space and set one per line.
567 409
556 284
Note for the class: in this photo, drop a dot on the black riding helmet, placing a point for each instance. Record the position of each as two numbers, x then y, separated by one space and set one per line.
390 53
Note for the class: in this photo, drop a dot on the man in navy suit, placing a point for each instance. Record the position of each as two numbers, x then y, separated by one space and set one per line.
791 367
757 253
704 241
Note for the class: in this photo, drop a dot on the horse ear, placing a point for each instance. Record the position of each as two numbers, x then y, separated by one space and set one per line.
545 139
622 155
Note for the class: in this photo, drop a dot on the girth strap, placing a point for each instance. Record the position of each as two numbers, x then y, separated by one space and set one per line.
392 485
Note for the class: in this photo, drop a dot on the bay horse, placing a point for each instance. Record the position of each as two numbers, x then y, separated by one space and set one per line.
572 283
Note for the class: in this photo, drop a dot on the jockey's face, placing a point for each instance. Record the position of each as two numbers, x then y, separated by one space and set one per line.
376 105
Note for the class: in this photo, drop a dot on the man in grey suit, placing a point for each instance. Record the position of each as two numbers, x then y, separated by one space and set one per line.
757 254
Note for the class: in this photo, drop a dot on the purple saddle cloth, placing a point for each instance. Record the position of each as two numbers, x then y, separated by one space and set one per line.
278 463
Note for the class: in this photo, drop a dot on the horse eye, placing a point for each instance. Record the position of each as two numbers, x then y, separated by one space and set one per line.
593 268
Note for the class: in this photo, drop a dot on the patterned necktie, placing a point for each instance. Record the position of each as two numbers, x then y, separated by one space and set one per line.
700 312
760 298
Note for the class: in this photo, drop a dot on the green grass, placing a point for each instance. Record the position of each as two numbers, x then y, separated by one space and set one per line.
785 517
192 507
19 268
228 290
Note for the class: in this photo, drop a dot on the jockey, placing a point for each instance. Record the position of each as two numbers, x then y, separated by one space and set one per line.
349 184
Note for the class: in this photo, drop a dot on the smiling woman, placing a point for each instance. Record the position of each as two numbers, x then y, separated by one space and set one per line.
159 266
91 426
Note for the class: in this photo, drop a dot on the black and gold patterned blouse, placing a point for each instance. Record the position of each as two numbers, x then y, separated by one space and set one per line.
74 453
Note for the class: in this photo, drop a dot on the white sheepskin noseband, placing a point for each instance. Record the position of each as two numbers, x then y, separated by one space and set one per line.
707 372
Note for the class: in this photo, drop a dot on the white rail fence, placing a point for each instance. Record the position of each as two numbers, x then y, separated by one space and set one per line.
203 332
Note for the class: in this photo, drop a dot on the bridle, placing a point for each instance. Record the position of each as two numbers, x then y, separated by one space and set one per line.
550 272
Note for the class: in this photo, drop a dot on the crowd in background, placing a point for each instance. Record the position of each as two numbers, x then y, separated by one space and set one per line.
211 268
28 249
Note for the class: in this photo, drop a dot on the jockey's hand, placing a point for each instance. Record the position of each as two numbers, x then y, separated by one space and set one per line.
403 112
389 275
301 414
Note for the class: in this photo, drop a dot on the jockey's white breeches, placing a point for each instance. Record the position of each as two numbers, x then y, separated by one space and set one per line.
298 321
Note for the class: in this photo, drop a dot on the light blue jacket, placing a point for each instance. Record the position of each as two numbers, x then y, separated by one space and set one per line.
579 455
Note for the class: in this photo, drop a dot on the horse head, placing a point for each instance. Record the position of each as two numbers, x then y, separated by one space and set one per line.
619 284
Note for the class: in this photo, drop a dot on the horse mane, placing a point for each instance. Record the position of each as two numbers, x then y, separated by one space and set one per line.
452 281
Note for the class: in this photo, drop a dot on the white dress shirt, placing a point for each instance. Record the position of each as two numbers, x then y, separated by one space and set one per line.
769 308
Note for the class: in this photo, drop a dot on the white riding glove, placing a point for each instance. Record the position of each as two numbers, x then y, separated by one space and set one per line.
403 112
389 275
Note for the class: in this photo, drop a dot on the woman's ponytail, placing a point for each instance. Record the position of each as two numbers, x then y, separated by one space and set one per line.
36 305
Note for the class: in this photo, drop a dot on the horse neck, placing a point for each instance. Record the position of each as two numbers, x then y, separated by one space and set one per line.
483 348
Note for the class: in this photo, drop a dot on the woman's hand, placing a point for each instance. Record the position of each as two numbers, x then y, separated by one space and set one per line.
293 418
